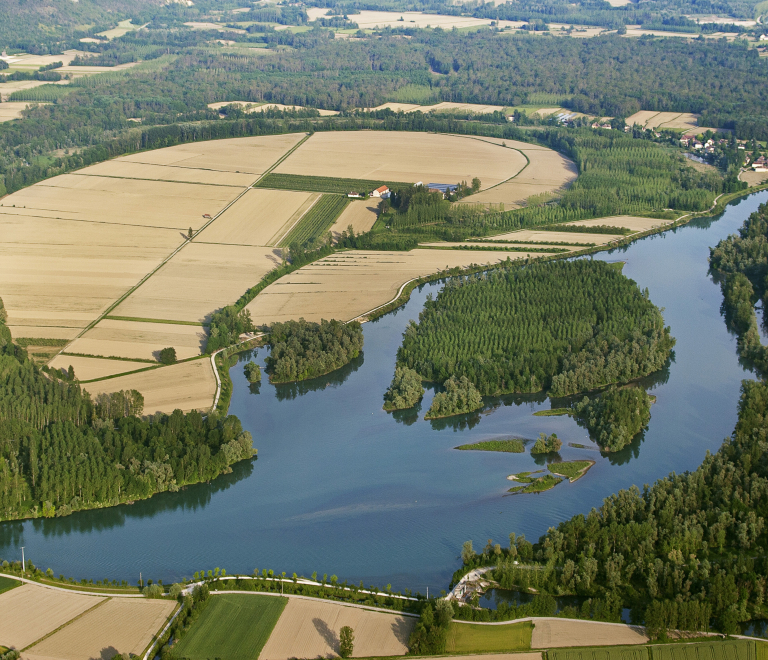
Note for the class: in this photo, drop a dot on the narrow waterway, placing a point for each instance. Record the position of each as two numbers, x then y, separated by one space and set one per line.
342 487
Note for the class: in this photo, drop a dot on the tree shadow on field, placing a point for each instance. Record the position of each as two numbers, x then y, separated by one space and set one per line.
402 627
327 634
108 653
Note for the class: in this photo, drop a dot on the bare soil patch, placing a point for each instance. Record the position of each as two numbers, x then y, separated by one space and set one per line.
187 386
754 178
29 612
310 629
200 279
402 156
630 222
361 214
558 633
122 625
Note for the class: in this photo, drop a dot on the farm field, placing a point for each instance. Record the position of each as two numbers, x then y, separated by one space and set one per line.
361 214
132 339
473 638
630 222
444 106
232 626
754 178
344 286
260 217
316 221
558 633
379 19
91 368
123 169
200 279
310 629
677 120
29 612
250 107
12 110
573 238
396 156
120 625
186 386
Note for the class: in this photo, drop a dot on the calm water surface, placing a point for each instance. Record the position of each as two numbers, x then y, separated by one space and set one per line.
342 487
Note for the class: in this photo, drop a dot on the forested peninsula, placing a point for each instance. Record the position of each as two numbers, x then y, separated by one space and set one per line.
61 451
564 327
302 349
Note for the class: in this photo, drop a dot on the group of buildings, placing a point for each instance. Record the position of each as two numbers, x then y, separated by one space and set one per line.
383 192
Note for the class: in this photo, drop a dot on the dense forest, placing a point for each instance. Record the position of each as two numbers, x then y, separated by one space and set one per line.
61 451
302 349
460 396
405 391
565 327
615 417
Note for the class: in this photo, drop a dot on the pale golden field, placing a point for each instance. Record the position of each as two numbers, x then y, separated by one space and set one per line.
754 178
361 214
346 285
133 339
310 629
90 368
186 386
260 217
29 612
141 203
9 111
652 119
251 155
558 633
121 625
124 169
556 237
371 19
56 276
497 244
627 221
548 171
409 157
250 107
199 280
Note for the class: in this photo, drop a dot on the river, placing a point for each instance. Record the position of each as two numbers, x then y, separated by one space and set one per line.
342 487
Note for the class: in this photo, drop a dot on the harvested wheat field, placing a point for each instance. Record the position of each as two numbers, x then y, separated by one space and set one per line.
91 368
133 339
400 156
754 178
557 633
56 276
548 171
556 237
475 108
186 386
652 119
30 611
251 155
372 19
122 169
142 203
199 280
361 214
260 217
310 629
119 625
347 285
9 111
626 221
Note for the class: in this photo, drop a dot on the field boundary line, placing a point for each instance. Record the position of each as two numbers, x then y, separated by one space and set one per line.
216 370
158 636
520 151
138 319
276 243
72 620
68 590
371 311
134 178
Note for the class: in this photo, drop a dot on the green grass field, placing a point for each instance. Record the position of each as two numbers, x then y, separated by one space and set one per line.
317 220
509 445
571 469
601 653
231 627
731 649
323 183
8 583
474 638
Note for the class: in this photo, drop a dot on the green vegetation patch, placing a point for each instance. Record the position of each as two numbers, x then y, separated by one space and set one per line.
232 626
508 445
302 349
317 220
6 584
405 391
601 653
460 396
615 417
534 484
562 326
554 412
571 470
40 341
591 229
716 650
324 184
42 94
475 638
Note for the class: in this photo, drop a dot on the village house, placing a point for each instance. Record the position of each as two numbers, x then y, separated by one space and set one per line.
381 191
760 164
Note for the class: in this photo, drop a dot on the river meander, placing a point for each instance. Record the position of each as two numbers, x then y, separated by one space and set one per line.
342 487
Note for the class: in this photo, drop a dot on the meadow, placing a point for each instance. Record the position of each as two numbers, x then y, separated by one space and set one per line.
317 221
474 638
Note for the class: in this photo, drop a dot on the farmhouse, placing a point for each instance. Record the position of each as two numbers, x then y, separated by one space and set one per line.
760 164
444 188
382 192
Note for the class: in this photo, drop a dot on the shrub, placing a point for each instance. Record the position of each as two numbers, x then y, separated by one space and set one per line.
346 642
168 355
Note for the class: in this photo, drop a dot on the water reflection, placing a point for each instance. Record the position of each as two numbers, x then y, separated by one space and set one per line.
290 391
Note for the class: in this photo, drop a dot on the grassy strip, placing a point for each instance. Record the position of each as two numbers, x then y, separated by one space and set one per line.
508 445
37 341
494 248
554 412
6 584
138 371
571 470
324 184
109 357
64 625
142 320
316 221
475 638
513 242
586 229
